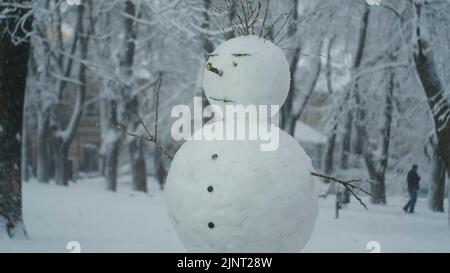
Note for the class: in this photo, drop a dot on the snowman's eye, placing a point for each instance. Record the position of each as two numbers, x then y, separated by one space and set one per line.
235 64
241 54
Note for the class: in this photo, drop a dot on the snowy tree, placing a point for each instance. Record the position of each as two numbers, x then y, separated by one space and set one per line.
429 75
289 37
60 40
66 133
15 22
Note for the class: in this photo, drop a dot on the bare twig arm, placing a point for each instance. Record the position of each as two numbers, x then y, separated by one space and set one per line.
348 185
150 137
125 132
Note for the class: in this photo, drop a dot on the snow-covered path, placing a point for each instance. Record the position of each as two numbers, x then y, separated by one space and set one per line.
133 222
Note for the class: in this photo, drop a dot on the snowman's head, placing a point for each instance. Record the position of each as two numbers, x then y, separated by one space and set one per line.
247 70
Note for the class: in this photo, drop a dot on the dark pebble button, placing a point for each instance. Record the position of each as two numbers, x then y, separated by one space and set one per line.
211 225
210 189
214 156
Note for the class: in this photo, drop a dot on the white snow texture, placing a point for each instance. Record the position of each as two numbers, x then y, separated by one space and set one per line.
228 196
254 72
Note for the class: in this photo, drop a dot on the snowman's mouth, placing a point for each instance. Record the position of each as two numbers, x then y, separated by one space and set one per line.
225 100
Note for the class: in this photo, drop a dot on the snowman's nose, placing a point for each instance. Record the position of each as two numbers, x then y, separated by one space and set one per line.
211 68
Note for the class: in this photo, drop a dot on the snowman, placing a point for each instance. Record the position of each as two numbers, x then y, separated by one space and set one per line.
230 196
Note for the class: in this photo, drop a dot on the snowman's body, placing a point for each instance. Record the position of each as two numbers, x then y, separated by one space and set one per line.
230 196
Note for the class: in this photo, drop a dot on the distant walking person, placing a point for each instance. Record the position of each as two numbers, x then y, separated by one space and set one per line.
413 186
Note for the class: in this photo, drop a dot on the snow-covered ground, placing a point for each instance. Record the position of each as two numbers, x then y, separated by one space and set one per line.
134 222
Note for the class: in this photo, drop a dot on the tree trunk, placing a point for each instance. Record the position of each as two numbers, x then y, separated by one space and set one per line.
111 148
329 154
106 104
329 68
112 160
360 114
346 141
24 154
160 170
378 190
135 146
25 144
331 145
297 116
437 188
287 121
61 163
43 117
13 73
41 148
104 129
65 138
286 109
136 152
448 206
111 140
377 167
138 169
436 193
351 117
437 98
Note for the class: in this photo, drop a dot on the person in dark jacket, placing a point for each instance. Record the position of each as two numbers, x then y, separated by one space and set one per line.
413 186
